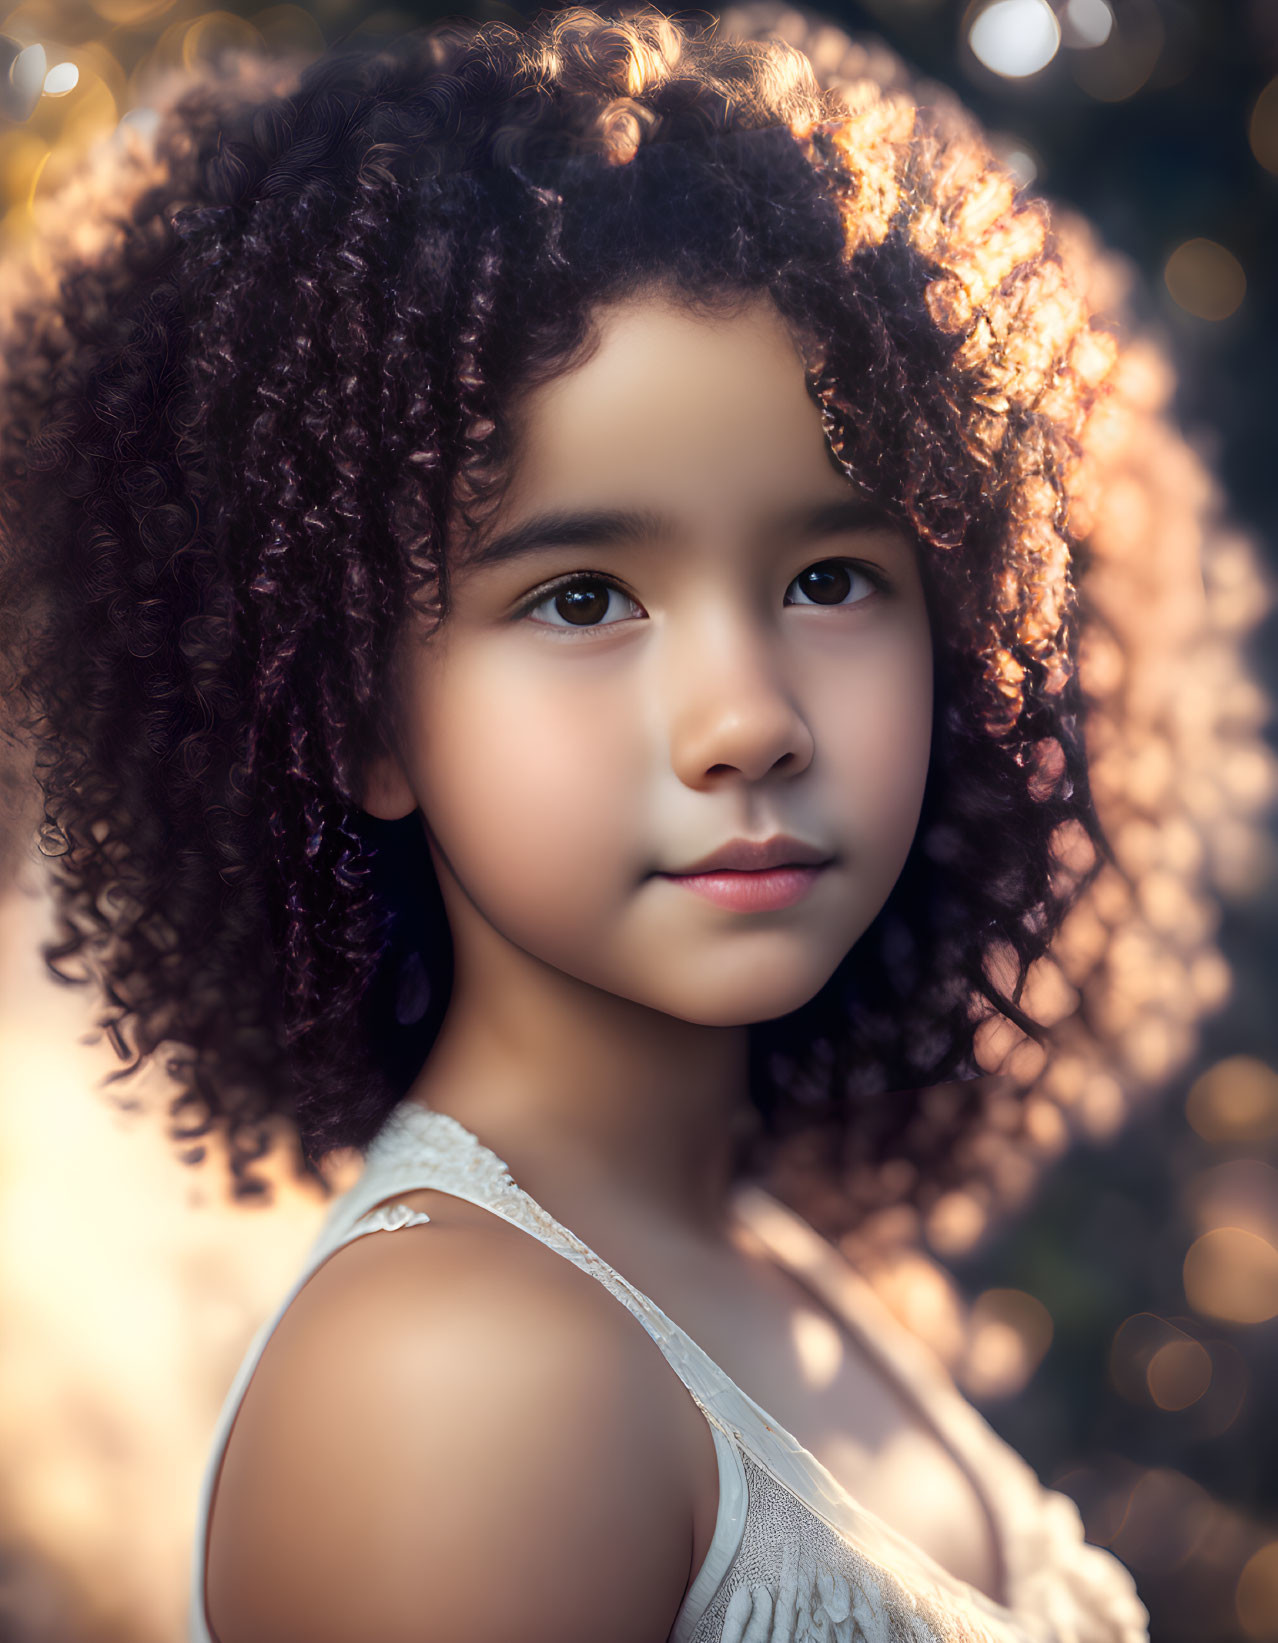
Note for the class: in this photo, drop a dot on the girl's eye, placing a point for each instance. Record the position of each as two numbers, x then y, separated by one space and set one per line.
585 602
591 602
832 582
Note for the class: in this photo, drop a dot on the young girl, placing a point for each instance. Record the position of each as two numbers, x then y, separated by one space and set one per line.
543 567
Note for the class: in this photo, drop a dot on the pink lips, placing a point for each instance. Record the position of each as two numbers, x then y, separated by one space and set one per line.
755 875
760 892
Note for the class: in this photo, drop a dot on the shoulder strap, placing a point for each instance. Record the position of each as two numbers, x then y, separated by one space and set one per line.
386 1218
1048 1566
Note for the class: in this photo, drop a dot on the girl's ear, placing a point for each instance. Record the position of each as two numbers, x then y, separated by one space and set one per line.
385 792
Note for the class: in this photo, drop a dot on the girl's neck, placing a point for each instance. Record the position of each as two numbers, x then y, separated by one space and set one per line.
586 1093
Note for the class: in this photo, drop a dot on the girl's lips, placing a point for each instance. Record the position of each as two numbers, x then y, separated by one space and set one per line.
764 891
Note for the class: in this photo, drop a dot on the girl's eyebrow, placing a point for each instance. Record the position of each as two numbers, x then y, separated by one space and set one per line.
564 528
612 527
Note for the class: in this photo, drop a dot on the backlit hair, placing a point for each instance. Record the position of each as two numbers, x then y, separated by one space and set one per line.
254 372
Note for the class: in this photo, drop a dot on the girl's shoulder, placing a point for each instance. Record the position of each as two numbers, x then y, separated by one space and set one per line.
453 1434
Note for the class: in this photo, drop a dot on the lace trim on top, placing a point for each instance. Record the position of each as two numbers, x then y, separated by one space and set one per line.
794 1558
388 1218
1060 1590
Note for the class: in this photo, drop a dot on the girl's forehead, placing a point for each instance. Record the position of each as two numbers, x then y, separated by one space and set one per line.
691 424
658 338
673 402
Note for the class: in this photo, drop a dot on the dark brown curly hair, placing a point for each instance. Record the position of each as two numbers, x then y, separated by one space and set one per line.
238 428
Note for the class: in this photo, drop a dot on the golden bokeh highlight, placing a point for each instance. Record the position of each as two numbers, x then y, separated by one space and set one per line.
1235 1100
1262 127
1009 1333
1178 1374
1154 1361
1256 1598
23 155
818 1345
131 14
922 1296
90 117
214 32
1206 280
955 1222
1240 1192
1232 1274
189 41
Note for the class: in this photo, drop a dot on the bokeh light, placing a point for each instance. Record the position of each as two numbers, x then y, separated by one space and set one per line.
1118 66
1205 279
955 1222
1178 1374
1231 1273
1234 1100
1257 1596
1008 1334
1015 38
1262 128
922 1295
818 1346
1241 1192
21 85
60 79
1086 24
1144 1340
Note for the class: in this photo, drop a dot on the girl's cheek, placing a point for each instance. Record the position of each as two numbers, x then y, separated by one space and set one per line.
875 732
529 783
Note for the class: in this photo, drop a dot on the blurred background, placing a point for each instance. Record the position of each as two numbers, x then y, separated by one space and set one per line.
1117 1319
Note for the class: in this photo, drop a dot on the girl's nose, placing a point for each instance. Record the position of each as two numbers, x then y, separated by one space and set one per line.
732 711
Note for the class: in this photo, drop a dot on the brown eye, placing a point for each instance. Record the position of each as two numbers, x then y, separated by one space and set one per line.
585 602
829 583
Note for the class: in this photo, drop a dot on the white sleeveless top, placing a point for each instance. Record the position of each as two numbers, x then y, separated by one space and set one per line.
794 1558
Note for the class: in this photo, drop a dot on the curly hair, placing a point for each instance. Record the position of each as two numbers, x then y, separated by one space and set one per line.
237 428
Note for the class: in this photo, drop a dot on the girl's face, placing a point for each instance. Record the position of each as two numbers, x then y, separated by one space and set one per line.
683 628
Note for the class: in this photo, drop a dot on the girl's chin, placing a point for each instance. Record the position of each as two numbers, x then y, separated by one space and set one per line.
694 993
740 1009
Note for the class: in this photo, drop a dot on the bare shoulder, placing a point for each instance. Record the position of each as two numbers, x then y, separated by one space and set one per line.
453 1436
